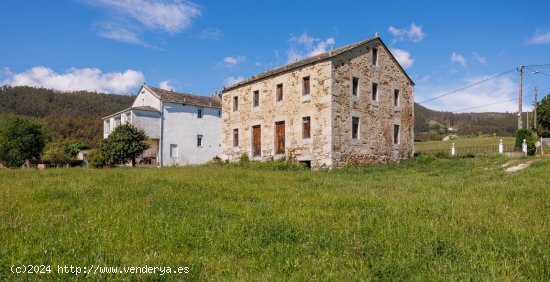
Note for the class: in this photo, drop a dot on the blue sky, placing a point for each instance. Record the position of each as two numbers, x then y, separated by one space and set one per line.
198 47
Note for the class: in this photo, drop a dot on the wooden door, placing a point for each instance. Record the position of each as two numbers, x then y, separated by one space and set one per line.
256 141
280 137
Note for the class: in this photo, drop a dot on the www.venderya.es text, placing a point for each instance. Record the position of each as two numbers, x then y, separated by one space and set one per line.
96 269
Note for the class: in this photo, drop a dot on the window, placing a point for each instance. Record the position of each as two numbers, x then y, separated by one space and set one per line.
396 98
219 113
280 137
306 127
355 86
236 137
236 103
395 134
355 128
199 113
375 91
173 151
199 140
256 98
279 92
306 88
375 56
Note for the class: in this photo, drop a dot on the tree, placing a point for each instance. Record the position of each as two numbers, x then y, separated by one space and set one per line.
21 139
530 138
56 152
74 147
543 116
125 143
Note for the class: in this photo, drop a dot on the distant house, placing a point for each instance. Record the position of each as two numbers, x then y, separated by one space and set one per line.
183 129
352 105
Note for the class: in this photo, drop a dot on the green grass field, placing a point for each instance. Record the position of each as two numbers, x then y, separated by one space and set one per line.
425 219
469 145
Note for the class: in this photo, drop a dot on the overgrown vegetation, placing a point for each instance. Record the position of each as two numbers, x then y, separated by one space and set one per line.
543 116
124 144
424 219
21 139
530 138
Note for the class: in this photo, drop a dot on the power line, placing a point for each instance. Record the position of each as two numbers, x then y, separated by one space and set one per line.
491 104
466 87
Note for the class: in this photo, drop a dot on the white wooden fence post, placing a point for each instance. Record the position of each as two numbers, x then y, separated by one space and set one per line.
524 147
500 147
453 150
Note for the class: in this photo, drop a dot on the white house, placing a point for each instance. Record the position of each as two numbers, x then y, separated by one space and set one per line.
183 129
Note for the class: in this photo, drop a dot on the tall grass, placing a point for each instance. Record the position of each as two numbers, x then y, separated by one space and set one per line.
424 219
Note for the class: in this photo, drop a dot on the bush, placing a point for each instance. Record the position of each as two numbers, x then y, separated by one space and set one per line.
56 153
95 159
530 137
21 139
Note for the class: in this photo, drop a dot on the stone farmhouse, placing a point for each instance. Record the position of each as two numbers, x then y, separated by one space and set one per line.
183 129
349 106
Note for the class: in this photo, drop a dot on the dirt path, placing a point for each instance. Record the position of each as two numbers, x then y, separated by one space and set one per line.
518 167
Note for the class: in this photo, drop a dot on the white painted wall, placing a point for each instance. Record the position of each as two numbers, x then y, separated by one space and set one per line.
148 122
181 127
146 98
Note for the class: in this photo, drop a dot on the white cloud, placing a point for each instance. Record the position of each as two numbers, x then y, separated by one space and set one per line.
170 16
457 58
232 80
211 33
231 61
413 33
540 37
119 33
74 79
403 57
166 85
502 89
129 17
305 46
480 59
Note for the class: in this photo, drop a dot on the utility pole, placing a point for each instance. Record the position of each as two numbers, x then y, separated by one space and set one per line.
535 110
520 123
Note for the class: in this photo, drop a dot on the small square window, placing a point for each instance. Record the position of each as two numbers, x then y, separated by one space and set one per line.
236 103
256 98
396 98
355 86
279 92
306 89
355 128
375 56
375 91
173 151
396 134
236 137
199 113
306 127
199 140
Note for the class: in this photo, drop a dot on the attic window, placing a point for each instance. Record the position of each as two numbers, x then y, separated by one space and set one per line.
256 98
279 92
306 88
375 56
396 98
199 113
236 103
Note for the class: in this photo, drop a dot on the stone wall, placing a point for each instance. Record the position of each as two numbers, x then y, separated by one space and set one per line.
375 142
291 110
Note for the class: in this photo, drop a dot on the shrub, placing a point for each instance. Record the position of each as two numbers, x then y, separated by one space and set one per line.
530 138
22 139
95 159
56 153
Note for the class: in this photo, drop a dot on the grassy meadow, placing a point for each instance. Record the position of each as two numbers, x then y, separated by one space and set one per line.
424 219
479 146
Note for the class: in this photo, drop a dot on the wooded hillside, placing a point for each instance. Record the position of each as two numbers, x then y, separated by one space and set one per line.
77 115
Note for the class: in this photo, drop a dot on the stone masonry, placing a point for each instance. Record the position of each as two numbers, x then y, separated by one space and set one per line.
331 107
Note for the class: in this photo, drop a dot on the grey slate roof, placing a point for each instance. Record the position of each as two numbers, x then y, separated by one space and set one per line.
184 98
312 60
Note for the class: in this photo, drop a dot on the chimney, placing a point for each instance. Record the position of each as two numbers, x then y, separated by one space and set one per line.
376 34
